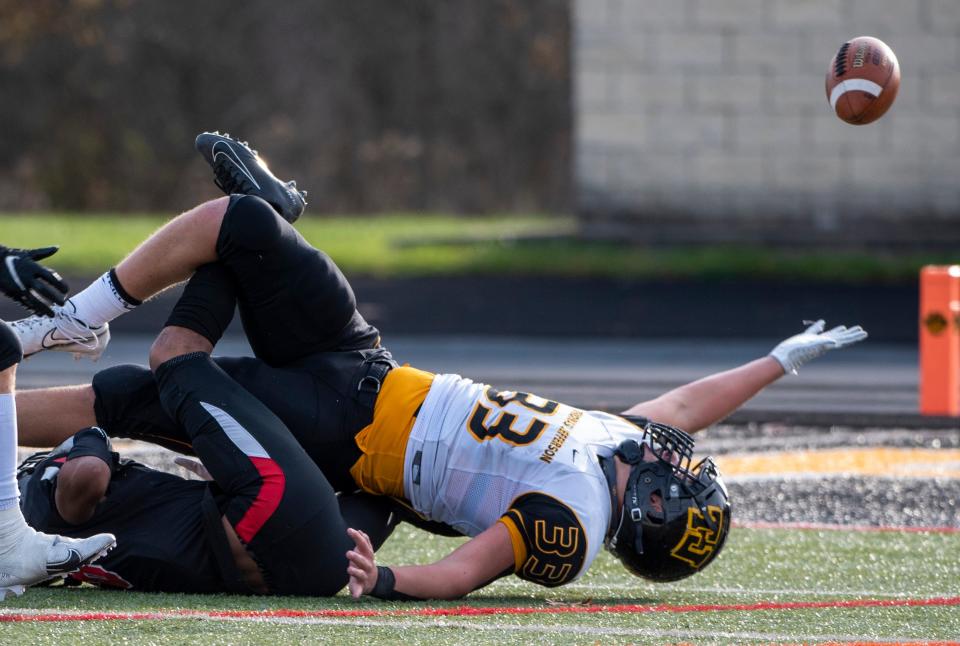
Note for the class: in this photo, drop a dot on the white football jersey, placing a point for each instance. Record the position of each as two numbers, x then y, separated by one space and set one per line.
476 456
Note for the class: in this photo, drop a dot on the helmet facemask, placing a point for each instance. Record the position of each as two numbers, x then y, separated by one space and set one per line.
691 525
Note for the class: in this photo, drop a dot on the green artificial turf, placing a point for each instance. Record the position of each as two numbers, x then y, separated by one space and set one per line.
416 245
758 566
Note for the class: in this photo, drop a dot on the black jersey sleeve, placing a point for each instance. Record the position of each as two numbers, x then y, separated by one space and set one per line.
549 541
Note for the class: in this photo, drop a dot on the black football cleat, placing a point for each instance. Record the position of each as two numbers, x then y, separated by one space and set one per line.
238 169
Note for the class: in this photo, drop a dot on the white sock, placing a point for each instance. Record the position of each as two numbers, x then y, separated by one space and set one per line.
9 494
12 526
101 302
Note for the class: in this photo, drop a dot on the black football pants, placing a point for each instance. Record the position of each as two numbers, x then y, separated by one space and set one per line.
313 349
277 500
263 429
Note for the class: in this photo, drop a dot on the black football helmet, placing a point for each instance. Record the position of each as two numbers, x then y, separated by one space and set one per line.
690 529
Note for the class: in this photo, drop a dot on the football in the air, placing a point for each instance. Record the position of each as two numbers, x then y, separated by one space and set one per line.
863 80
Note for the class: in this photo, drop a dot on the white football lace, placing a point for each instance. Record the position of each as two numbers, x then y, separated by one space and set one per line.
77 331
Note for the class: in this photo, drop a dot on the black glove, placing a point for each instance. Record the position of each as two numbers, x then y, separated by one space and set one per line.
28 282
11 352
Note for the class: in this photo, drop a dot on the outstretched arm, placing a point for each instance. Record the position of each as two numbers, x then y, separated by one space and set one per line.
472 565
706 401
699 404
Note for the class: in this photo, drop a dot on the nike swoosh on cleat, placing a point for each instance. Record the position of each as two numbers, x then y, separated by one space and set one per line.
234 158
69 564
55 341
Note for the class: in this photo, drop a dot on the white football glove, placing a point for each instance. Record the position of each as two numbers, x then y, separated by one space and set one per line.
813 342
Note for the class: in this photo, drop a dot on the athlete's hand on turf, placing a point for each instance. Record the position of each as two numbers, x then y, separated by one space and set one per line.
362 567
814 342
28 282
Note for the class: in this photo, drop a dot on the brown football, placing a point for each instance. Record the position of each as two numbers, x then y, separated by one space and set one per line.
863 80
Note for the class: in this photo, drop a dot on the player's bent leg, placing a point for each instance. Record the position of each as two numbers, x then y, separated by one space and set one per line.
207 303
174 252
169 256
174 341
294 301
127 404
373 515
279 503
319 412
315 566
48 416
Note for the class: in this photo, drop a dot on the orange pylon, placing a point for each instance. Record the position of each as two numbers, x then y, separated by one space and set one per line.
940 340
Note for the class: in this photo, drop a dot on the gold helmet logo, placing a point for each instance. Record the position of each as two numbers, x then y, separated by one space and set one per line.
700 540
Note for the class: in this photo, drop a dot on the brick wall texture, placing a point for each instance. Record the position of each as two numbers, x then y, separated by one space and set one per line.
715 110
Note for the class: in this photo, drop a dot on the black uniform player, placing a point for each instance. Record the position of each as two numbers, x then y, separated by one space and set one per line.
262 426
170 536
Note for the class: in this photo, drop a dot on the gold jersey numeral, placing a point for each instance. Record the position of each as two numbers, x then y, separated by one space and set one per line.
485 424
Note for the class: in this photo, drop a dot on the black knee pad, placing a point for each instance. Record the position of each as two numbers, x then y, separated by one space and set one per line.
10 351
118 390
250 223
207 303
127 404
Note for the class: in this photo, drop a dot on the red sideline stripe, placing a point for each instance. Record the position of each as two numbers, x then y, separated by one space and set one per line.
471 611
267 501
852 528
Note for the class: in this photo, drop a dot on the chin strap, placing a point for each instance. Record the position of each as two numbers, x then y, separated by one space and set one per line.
609 468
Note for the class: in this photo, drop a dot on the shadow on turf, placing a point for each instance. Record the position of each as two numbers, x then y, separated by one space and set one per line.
343 602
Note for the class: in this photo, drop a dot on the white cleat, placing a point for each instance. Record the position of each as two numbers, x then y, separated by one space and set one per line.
33 557
62 332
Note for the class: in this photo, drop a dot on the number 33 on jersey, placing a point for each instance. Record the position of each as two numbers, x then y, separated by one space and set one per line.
484 456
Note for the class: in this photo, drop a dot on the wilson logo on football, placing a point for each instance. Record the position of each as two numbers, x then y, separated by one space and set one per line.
700 539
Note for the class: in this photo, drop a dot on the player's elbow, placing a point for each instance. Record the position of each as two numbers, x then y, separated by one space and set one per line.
81 485
449 592
667 409
455 587
684 416
446 592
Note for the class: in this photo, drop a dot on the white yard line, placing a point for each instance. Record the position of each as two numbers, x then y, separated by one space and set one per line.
484 624
620 587
481 623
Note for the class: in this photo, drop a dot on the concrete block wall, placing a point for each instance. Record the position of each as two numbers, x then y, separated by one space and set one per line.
715 110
